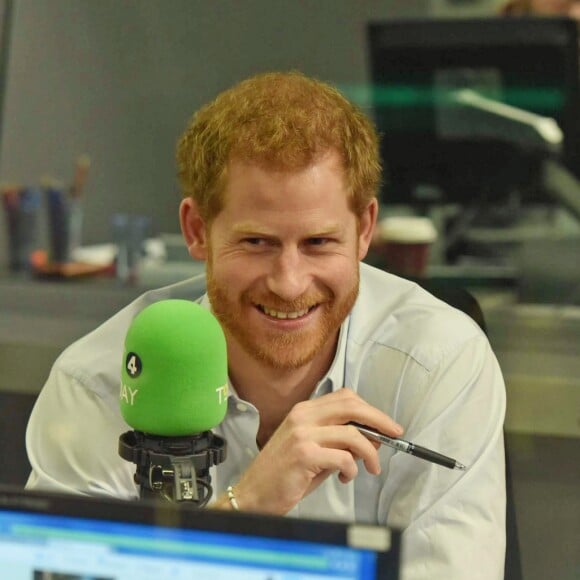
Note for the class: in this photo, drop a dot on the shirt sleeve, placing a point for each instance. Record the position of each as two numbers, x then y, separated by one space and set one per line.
72 441
454 521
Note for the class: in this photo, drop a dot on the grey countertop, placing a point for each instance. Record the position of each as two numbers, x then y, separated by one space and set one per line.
39 319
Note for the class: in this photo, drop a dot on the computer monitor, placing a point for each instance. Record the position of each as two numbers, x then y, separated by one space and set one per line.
437 148
58 537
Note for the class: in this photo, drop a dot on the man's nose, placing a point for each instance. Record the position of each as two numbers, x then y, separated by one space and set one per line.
290 275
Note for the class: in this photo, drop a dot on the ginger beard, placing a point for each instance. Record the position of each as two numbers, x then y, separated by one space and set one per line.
284 350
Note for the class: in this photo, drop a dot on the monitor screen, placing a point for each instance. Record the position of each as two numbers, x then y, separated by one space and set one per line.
46 537
437 147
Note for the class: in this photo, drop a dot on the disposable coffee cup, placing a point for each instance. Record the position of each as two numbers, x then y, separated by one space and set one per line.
404 243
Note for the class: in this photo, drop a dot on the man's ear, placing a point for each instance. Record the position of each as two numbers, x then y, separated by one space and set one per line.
193 229
367 223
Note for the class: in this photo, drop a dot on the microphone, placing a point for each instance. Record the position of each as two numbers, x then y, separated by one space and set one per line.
174 390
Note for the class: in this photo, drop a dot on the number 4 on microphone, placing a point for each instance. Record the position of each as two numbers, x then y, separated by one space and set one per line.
133 364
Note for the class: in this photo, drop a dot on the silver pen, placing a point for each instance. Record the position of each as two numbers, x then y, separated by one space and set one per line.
410 448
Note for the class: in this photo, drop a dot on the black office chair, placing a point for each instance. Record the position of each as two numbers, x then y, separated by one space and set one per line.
15 409
462 300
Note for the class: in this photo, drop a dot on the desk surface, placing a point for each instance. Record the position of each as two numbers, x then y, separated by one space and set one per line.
39 319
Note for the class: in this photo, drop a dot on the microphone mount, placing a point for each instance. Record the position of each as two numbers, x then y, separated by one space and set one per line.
177 468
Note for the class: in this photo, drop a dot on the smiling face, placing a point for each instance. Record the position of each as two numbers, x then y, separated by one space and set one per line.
282 259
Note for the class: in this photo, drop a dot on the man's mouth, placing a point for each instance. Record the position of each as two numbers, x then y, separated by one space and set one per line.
284 315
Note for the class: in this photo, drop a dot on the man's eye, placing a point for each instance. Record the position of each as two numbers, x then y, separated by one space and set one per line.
254 241
318 241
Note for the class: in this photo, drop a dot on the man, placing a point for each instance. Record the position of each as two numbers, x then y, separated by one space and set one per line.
280 175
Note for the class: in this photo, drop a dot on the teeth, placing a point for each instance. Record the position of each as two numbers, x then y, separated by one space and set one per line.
285 315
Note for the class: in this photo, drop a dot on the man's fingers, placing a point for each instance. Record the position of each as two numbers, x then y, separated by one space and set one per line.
341 407
348 438
338 460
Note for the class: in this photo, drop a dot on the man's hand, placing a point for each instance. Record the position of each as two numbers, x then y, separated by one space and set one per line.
312 442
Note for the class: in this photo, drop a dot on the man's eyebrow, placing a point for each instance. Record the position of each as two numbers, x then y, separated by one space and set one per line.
248 228
253 228
330 230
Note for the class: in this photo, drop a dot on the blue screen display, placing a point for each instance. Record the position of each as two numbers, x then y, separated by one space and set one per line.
35 544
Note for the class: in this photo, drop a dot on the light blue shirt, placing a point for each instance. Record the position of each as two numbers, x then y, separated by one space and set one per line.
417 359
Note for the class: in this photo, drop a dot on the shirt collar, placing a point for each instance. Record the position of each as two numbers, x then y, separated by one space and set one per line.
334 378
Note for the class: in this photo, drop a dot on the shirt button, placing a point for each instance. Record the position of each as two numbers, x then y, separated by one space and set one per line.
241 407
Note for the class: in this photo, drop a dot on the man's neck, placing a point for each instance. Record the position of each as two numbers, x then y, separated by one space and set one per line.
275 391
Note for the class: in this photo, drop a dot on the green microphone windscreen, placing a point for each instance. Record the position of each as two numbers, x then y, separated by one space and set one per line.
174 380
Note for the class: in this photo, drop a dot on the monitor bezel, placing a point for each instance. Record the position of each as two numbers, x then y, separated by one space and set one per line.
162 514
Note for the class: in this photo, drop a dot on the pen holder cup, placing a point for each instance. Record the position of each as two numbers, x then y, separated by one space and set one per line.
129 234
21 210
64 225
